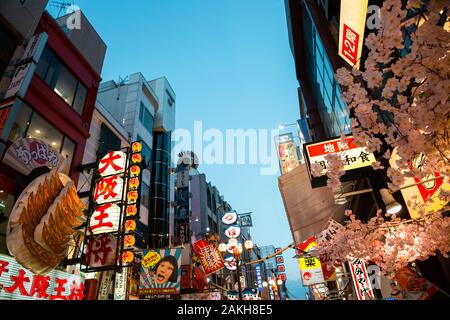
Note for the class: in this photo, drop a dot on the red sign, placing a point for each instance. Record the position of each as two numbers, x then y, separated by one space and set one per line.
279 260
282 276
361 280
281 268
209 256
3 117
350 42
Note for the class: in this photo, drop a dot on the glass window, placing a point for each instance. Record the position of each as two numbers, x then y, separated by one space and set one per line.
146 118
80 98
61 80
41 129
66 85
146 152
145 195
20 126
67 151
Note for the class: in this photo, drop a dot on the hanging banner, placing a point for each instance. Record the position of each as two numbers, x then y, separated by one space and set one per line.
17 283
160 273
311 271
120 289
352 24
361 280
287 153
209 256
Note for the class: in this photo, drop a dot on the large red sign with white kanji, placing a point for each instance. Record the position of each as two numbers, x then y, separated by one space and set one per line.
113 163
108 190
17 283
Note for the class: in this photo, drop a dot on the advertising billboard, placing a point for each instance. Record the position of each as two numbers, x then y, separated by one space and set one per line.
160 272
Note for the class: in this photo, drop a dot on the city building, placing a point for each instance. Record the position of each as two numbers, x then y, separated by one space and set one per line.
48 93
146 110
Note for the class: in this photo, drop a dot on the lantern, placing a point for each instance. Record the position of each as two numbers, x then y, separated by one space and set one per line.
131 210
130 225
129 240
136 158
136 147
248 244
222 247
133 183
132 196
135 171
127 257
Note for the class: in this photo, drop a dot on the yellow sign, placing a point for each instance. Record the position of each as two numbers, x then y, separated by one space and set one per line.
150 259
424 195
309 263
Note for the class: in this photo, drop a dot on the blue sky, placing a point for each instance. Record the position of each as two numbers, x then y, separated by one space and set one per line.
230 65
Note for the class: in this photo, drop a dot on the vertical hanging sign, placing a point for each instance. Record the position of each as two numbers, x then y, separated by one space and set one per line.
361 280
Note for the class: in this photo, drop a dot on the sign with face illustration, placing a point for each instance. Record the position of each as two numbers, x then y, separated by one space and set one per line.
160 273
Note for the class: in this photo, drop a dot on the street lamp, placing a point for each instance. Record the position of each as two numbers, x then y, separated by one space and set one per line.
237 250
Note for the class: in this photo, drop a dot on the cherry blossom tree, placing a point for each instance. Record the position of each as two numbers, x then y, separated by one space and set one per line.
399 100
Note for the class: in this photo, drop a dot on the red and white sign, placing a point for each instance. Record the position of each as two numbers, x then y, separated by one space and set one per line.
209 256
101 251
26 154
108 190
17 283
113 163
354 156
351 30
282 276
233 232
230 263
280 259
105 219
281 268
361 280
230 218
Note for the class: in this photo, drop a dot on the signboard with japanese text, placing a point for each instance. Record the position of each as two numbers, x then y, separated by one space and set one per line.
361 280
281 268
209 256
17 283
245 220
229 218
26 154
328 234
120 285
287 153
111 240
352 24
160 273
233 232
311 271
259 277
279 259
422 196
356 159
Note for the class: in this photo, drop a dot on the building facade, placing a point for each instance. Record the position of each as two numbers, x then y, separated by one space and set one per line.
48 95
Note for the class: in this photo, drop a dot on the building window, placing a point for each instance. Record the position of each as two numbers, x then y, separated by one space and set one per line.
29 124
146 118
108 141
146 152
208 198
9 44
61 80
145 195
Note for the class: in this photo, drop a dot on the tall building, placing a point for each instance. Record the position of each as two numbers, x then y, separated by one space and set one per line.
48 91
146 110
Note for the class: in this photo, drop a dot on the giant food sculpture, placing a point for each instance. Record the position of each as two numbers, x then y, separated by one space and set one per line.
41 224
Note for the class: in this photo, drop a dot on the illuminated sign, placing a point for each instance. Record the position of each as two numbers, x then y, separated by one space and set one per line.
233 232
229 218
209 256
17 283
287 153
281 268
361 280
230 263
352 23
424 195
105 219
355 158
112 224
311 271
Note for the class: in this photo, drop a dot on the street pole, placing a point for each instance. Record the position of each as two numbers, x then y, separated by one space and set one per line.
238 269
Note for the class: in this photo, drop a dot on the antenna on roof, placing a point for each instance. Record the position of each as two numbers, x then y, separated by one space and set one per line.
120 83
61 5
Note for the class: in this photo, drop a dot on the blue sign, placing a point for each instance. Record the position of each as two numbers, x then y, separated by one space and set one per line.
259 278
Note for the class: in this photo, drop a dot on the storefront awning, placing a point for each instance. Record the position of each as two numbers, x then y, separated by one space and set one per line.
307 209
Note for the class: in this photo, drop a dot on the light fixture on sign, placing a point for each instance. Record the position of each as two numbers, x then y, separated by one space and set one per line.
105 219
229 218
233 232
113 163
392 206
